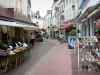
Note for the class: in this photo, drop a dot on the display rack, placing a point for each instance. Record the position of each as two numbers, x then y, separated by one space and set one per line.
90 52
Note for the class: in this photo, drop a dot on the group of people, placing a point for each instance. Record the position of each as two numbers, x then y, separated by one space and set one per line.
34 38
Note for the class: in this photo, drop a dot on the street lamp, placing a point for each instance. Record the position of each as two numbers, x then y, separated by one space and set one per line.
73 7
77 32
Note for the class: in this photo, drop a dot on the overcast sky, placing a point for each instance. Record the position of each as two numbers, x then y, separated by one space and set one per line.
41 5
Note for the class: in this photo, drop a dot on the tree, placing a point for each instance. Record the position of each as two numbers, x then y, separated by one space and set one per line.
72 33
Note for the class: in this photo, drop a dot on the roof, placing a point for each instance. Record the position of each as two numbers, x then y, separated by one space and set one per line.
19 16
4 12
10 13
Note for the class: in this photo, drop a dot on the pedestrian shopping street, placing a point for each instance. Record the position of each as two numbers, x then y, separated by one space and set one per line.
49 37
54 59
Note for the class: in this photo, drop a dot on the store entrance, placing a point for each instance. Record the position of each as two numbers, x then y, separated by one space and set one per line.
17 31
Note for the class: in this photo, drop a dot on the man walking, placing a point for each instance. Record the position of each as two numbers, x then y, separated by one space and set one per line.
32 39
61 37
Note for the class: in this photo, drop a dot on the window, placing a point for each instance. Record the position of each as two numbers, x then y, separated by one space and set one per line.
35 16
66 1
59 9
21 4
62 8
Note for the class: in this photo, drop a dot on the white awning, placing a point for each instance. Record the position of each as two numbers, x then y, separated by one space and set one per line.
31 28
13 24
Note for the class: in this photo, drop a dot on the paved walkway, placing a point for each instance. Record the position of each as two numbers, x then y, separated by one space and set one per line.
38 51
55 62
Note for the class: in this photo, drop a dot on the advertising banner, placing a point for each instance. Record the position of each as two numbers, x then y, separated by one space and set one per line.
72 42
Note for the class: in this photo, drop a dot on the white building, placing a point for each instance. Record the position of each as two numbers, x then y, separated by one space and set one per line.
23 6
47 23
71 14
57 12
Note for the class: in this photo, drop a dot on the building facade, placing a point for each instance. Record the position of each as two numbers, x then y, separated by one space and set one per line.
37 19
71 13
87 22
22 6
47 22
14 16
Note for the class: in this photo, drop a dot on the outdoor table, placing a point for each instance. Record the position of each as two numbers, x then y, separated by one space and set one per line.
8 61
24 53
15 58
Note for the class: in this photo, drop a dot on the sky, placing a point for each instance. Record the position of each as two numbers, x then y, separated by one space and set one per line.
42 6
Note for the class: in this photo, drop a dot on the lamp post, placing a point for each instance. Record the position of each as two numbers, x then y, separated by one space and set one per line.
73 8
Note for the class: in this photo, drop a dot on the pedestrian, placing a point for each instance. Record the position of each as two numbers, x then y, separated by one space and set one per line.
32 39
61 37
35 38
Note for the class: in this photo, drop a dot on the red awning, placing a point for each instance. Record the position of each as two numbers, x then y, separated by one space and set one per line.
66 26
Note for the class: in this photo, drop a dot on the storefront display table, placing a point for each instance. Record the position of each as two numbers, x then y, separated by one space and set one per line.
16 58
13 59
7 61
24 53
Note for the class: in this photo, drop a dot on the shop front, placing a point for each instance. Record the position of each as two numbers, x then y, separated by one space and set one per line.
65 29
89 42
8 30
13 48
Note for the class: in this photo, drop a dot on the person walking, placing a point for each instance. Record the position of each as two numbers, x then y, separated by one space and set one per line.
61 37
32 39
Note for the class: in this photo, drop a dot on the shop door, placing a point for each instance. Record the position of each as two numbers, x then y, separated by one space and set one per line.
17 31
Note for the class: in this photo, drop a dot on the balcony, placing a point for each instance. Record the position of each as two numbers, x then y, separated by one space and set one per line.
57 8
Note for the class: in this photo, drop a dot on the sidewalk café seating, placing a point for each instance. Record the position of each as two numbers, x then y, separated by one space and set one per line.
13 59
